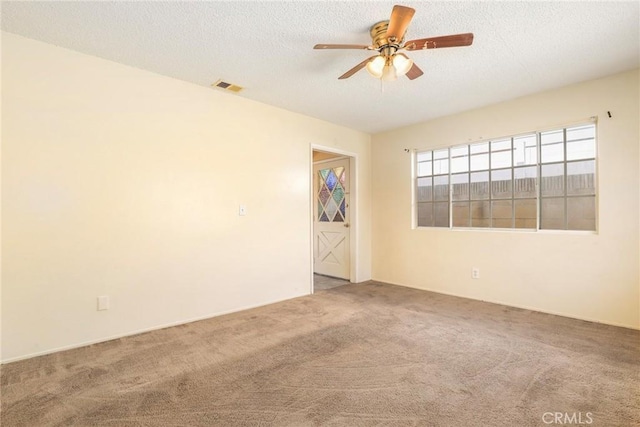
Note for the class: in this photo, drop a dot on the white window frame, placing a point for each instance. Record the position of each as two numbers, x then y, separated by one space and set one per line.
490 199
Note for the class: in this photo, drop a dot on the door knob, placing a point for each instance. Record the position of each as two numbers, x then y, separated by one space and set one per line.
346 224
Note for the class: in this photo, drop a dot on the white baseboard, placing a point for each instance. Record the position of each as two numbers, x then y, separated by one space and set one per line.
586 319
141 331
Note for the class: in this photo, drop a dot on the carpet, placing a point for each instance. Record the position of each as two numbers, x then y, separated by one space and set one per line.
357 355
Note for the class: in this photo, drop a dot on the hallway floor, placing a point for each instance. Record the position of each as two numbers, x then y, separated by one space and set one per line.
321 283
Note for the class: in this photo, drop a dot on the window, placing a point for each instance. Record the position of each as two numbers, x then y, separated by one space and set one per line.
433 188
532 181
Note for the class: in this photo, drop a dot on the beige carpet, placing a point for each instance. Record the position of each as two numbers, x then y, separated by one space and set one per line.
356 355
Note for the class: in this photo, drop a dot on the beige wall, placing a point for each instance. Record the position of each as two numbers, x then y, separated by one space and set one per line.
582 275
119 182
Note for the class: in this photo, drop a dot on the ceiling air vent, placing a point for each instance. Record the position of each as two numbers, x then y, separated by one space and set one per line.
227 86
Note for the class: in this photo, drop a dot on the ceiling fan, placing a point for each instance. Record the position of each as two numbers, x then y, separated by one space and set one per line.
388 39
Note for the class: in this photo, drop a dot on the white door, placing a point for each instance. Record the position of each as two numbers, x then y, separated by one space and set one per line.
331 218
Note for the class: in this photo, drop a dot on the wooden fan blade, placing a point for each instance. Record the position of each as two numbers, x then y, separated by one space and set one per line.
438 42
342 46
414 72
400 18
355 69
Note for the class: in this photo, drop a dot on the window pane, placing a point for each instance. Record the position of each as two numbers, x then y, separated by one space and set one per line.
424 156
424 169
545 180
525 151
501 214
581 142
524 184
501 154
425 189
479 185
460 183
479 162
552 214
581 213
481 147
525 211
460 159
552 180
441 187
441 162
581 178
480 214
552 146
501 184
461 214
479 156
442 214
425 214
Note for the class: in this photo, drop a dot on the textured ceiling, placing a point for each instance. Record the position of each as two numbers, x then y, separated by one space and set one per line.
266 46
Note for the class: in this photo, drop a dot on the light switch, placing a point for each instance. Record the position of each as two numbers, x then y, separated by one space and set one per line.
242 211
103 303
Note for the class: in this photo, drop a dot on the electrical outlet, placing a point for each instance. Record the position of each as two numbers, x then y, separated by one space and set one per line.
475 273
103 303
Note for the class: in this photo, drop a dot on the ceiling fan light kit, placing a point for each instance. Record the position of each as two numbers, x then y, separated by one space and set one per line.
388 39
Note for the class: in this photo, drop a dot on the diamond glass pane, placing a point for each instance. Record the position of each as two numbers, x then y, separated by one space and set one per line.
323 217
338 194
343 208
342 176
331 209
324 173
332 179
324 195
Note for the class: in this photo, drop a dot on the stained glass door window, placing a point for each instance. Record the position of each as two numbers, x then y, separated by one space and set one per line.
331 195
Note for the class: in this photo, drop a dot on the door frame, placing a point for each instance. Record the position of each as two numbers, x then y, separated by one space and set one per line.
353 208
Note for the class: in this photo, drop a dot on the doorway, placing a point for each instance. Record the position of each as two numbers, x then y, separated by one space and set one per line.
332 219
